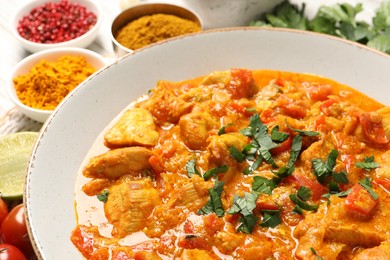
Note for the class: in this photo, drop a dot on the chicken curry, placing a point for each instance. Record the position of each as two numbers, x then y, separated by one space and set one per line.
240 164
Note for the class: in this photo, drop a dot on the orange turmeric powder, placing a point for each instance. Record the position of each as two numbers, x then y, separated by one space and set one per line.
47 83
153 28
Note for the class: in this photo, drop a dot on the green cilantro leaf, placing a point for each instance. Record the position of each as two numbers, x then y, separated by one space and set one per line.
271 218
368 164
244 206
263 185
303 132
322 170
278 137
215 171
236 154
366 183
221 131
103 196
304 193
191 168
338 194
214 204
340 177
302 204
248 223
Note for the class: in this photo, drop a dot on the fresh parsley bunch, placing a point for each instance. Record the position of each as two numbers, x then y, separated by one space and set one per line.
338 20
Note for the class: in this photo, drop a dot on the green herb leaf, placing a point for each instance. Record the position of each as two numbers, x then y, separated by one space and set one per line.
381 20
215 171
288 15
221 131
103 196
278 137
340 177
323 170
248 223
330 162
295 150
254 165
271 218
366 183
214 205
302 204
368 164
191 168
303 132
236 154
297 210
263 185
338 194
304 193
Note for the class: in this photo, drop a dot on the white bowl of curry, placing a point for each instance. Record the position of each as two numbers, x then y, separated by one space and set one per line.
205 98
40 82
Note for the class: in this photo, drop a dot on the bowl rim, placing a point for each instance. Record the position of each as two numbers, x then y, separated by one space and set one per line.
28 6
196 15
39 56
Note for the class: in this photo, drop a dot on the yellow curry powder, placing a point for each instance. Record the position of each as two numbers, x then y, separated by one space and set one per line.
47 83
153 28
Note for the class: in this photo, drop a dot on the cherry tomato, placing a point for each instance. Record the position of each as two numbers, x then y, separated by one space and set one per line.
14 230
10 252
3 210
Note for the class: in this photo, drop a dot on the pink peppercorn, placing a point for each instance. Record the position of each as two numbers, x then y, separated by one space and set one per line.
56 22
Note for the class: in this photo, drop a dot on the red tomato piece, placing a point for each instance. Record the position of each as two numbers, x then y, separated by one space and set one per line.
10 252
267 116
373 129
83 240
193 242
286 145
14 230
360 203
241 84
212 224
326 106
300 180
3 210
157 164
319 92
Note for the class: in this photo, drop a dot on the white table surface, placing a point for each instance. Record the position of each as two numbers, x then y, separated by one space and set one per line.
11 52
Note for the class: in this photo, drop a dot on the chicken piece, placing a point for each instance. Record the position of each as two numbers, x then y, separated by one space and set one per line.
118 162
384 170
191 254
332 227
135 127
129 204
194 129
221 78
381 252
220 144
165 105
96 186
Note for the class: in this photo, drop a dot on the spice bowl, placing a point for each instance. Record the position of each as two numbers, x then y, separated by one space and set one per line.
150 33
45 24
49 87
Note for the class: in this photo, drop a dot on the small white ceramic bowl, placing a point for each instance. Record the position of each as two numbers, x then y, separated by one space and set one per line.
81 41
25 65
140 10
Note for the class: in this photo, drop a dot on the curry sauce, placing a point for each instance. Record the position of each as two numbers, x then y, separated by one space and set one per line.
239 164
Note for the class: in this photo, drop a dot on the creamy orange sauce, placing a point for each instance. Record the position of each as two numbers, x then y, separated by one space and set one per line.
344 119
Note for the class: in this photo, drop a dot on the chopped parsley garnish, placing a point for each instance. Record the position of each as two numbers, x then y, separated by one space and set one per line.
191 168
215 171
322 170
368 164
303 132
271 218
263 185
103 196
338 194
221 131
236 154
366 183
244 206
315 253
214 205
300 199
340 177
278 137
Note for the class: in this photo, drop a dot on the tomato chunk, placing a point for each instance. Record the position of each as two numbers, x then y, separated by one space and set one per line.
372 127
300 180
360 203
241 84
319 92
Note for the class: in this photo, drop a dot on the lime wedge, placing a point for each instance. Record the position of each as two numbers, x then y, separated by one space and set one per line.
15 152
